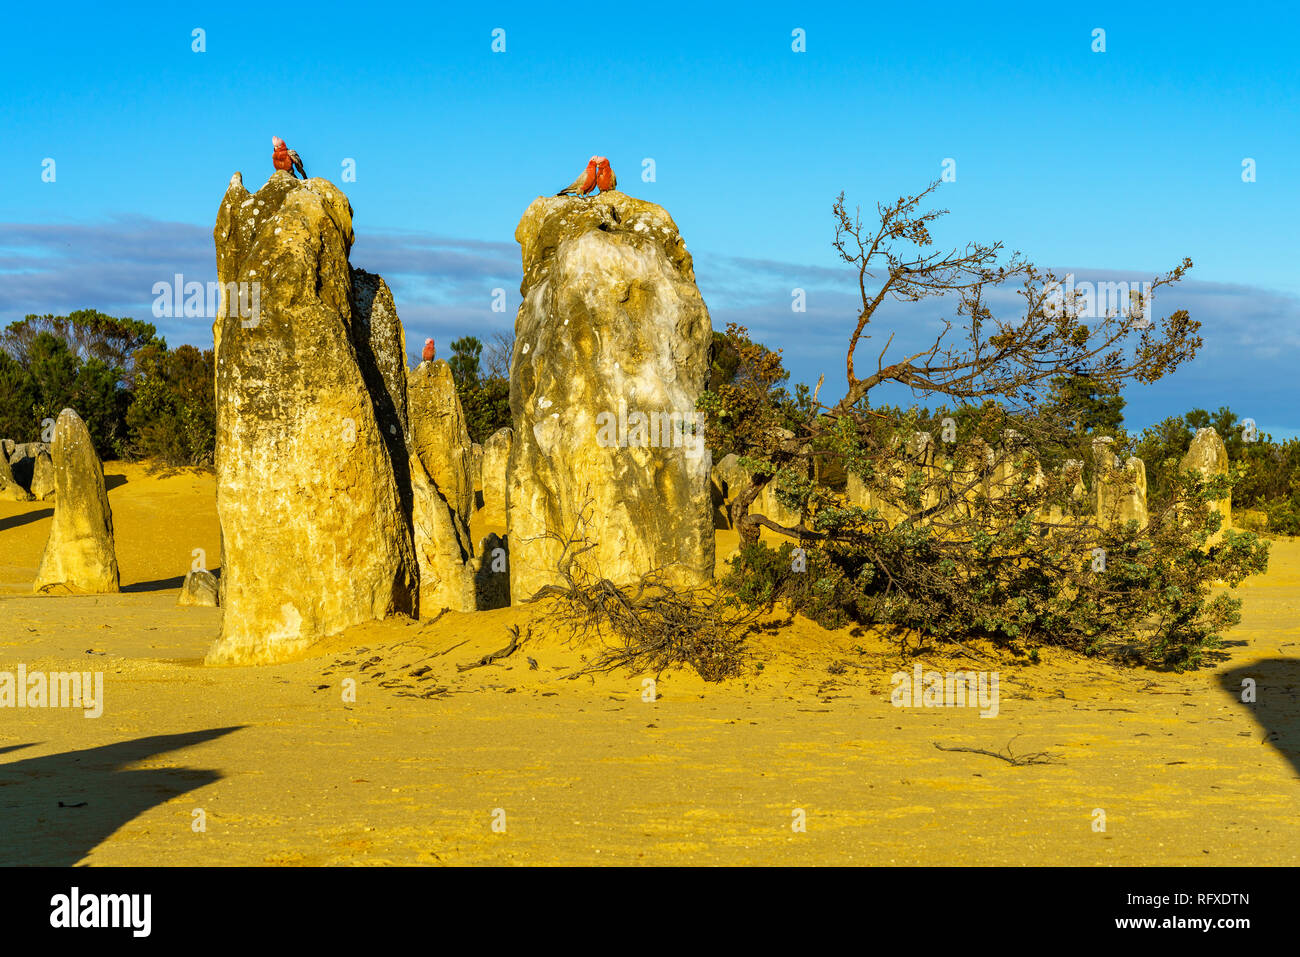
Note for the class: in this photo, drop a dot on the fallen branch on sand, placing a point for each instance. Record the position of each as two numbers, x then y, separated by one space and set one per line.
496 655
1015 760
646 625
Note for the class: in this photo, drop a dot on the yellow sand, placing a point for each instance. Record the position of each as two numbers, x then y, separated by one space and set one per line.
583 771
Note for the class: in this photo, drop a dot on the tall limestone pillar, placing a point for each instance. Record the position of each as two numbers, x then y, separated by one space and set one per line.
611 352
1119 490
1208 456
80 555
315 537
443 490
496 460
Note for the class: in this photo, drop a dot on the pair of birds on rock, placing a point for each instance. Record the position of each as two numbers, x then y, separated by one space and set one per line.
598 175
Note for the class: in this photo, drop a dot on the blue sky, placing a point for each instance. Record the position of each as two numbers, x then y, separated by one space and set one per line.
1113 165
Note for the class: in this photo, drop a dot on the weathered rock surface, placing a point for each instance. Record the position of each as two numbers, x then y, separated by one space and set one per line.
43 484
443 490
1073 472
380 341
200 589
886 486
728 478
25 450
439 434
611 349
1208 456
22 460
864 494
496 459
1075 503
476 469
1133 504
79 556
724 482
10 490
314 534
1119 491
1015 466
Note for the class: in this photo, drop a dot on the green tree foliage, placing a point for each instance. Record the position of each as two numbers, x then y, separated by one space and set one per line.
19 396
81 361
964 537
1085 406
88 334
137 398
724 361
484 396
464 361
173 416
1082 408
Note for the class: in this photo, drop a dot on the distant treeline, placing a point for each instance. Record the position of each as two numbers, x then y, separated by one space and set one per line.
139 398
1268 472
144 400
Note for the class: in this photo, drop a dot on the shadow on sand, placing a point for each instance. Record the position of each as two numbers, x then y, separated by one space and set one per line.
162 584
1277 702
13 521
158 584
55 809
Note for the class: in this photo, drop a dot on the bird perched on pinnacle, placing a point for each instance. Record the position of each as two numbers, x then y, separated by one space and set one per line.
605 177
429 350
285 158
583 184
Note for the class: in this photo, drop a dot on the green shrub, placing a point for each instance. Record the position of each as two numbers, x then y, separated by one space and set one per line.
173 416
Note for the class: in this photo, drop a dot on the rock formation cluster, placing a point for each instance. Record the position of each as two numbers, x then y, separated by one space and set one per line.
346 481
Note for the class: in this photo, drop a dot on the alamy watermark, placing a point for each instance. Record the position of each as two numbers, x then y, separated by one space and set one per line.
195 300
1100 300
953 689
55 689
75 909
660 430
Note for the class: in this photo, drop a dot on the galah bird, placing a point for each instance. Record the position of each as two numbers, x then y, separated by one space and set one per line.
427 354
605 177
583 184
285 158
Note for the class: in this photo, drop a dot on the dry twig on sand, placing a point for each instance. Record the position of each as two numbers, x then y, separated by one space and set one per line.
1015 760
